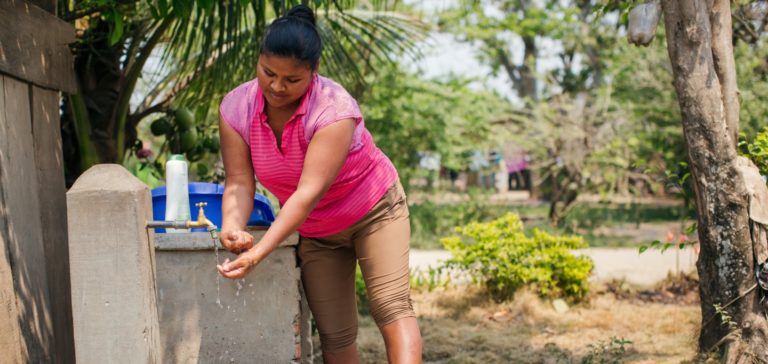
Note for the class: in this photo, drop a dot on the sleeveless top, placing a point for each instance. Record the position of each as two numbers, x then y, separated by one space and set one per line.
363 179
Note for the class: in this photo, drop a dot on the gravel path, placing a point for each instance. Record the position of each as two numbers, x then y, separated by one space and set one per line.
610 263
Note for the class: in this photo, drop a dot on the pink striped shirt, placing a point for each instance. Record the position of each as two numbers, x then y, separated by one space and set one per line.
364 178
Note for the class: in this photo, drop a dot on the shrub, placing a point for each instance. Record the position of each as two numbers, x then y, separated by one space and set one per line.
428 279
757 150
363 307
499 255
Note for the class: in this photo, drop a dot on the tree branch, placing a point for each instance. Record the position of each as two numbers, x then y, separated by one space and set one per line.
725 65
161 106
132 75
134 119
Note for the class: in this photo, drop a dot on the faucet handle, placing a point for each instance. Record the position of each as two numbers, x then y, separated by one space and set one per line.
200 212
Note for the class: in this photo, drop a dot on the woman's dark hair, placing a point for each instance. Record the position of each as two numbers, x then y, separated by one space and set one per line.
294 35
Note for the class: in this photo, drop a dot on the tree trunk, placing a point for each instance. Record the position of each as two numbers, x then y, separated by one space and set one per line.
704 71
527 86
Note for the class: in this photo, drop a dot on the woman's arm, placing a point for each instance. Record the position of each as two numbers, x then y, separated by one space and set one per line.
325 156
239 188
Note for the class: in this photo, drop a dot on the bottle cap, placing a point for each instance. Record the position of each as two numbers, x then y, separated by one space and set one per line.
177 157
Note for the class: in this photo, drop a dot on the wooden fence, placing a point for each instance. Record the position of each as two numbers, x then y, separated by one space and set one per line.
35 66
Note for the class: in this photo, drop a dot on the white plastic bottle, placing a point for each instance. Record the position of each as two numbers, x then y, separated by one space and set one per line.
177 191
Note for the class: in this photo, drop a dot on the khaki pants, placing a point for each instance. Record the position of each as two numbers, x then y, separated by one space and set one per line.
379 242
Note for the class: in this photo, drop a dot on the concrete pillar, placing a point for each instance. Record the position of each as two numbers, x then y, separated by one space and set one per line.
114 304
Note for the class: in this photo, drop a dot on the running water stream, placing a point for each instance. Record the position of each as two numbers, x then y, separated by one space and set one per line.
218 276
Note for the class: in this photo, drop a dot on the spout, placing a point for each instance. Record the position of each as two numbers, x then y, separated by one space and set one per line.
204 223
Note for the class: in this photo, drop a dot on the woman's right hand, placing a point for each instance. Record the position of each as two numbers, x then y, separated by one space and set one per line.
236 241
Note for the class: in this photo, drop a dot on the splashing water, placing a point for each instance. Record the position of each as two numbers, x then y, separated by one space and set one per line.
218 276
239 286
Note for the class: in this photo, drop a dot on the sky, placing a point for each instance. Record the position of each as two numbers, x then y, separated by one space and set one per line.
445 55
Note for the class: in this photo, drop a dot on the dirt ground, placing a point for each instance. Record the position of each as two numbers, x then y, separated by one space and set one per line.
617 324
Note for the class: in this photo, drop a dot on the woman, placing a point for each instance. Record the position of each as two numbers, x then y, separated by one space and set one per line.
303 137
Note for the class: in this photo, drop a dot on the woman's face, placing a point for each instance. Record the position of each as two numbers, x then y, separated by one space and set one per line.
283 80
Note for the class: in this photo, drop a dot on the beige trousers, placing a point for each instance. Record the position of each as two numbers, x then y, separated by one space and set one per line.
379 243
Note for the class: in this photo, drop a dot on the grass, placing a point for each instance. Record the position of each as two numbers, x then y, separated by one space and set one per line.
590 215
601 224
464 325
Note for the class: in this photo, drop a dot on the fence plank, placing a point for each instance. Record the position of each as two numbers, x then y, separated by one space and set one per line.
47 5
22 208
33 46
10 344
52 193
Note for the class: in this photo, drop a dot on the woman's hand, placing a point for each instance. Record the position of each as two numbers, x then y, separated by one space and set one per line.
236 241
239 267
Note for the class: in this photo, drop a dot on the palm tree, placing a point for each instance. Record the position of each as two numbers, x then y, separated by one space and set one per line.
198 49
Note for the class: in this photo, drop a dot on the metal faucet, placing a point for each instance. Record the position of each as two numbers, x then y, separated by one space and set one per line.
201 221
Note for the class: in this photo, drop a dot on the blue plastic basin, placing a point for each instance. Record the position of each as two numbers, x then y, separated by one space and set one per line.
262 214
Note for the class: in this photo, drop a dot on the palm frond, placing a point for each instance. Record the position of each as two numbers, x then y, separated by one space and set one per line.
211 51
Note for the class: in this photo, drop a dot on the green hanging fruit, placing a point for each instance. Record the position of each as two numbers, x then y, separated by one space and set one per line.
188 139
202 169
160 126
212 144
184 118
195 154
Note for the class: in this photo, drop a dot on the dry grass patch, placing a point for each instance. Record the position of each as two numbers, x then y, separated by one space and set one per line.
463 325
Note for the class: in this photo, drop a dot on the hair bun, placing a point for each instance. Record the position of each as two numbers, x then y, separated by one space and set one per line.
302 12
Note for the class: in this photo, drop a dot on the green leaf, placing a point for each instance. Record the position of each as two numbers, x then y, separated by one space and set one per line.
684 178
691 229
117 28
206 5
154 12
162 6
643 248
181 8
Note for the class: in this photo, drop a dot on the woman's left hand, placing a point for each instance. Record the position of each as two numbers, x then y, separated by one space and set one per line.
239 267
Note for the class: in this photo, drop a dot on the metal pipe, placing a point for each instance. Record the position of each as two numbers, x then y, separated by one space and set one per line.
201 221
178 224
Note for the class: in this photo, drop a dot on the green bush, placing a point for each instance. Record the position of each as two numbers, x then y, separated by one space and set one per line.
757 150
432 221
363 307
502 258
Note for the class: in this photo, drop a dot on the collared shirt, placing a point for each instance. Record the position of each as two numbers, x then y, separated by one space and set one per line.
363 179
